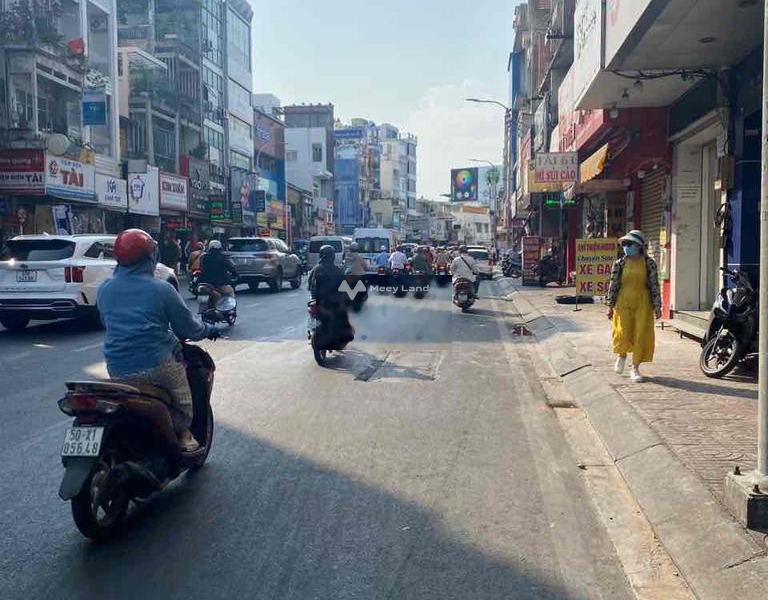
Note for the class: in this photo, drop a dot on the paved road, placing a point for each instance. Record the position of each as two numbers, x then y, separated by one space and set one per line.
414 467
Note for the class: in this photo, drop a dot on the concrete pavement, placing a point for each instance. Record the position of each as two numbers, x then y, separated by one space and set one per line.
673 437
422 464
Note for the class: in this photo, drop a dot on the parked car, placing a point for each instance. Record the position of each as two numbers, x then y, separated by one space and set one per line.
483 260
264 259
47 277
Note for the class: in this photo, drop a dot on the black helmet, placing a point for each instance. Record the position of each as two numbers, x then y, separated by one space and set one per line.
463 249
327 253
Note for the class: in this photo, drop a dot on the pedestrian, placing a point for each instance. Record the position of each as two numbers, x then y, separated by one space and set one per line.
170 253
634 300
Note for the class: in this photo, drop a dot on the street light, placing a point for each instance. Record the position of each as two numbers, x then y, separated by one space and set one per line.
484 101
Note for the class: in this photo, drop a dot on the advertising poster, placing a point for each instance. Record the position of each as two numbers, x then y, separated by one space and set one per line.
594 261
69 179
464 185
531 257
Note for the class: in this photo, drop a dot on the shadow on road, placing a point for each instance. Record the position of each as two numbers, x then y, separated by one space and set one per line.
704 388
264 522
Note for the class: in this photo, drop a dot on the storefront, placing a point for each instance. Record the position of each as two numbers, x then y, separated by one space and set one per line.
198 175
144 201
112 197
174 205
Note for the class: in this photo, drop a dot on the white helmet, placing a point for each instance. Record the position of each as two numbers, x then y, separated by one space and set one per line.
383 248
214 245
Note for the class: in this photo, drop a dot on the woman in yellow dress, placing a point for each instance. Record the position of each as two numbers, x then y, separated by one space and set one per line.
633 300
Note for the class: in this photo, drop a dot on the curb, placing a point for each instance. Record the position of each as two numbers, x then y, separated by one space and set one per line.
713 552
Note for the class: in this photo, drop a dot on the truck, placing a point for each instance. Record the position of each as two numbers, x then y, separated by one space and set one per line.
370 241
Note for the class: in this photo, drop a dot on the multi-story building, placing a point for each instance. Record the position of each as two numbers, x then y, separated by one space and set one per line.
309 157
470 224
398 172
59 148
269 165
663 123
357 173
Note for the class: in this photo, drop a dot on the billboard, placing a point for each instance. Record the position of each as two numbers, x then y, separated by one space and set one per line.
464 185
173 192
349 133
22 172
69 179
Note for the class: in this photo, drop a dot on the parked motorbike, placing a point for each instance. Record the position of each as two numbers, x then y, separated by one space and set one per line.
328 330
511 266
464 294
733 326
548 271
442 275
225 310
194 282
122 446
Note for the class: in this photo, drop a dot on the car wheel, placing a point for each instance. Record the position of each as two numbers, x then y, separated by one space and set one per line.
14 323
276 284
296 281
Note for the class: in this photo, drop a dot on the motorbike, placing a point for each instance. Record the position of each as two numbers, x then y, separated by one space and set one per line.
194 282
122 447
420 281
464 294
356 303
549 270
511 266
398 282
225 310
733 327
442 275
328 330
382 278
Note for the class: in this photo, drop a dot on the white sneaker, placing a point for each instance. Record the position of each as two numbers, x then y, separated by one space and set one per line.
635 376
619 366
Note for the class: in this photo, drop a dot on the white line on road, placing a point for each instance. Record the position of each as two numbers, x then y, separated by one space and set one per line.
42 346
88 347
254 304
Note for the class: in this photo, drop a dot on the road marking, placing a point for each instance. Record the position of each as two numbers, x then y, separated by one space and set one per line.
254 304
42 346
88 347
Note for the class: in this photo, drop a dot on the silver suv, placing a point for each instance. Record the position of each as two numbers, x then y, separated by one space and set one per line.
258 259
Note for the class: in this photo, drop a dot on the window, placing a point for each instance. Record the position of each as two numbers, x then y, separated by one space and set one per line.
240 133
315 245
291 156
411 185
239 99
212 31
239 41
317 153
411 167
32 250
239 160
411 150
248 245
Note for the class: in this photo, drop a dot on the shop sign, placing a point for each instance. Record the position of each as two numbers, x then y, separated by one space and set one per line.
217 209
22 172
111 192
242 188
237 212
533 187
199 175
173 192
69 179
556 167
95 105
262 220
594 262
588 51
556 200
531 258
143 192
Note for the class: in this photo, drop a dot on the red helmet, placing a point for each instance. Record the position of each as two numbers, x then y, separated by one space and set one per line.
133 245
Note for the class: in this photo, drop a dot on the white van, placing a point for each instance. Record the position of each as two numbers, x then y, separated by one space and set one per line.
370 240
337 242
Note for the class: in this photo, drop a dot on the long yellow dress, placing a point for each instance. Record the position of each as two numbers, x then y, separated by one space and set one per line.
632 328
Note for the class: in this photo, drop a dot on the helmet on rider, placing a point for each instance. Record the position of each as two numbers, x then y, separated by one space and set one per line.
132 246
327 254
463 249
383 249
353 247
214 245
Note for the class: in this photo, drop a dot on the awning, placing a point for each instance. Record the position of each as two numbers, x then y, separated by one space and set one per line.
594 165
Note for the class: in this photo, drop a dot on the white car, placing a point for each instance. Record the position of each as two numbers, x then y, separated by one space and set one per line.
46 277
483 260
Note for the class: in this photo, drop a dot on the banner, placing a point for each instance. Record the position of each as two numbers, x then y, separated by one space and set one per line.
531 258
69 179
22 172
143 192
594 261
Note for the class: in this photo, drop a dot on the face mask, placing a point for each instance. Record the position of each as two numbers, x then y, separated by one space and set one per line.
630 250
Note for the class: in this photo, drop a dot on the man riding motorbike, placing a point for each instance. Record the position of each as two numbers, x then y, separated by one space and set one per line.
465 267
382 258
217 271
144 319
324 287
441 258
398 259
354 262
422 260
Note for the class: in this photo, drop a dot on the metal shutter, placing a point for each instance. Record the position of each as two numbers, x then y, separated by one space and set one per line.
651 195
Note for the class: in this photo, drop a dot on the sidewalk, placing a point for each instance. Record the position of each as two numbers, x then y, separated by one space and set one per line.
673 437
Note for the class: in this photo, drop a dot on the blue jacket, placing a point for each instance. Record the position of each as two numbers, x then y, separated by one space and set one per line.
382 260
143 317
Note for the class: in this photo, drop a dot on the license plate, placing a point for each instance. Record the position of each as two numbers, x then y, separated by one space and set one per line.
26 276
82 441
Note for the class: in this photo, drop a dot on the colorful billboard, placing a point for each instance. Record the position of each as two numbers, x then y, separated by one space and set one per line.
464 185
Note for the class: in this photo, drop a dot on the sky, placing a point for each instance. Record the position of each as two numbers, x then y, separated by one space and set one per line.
406 62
